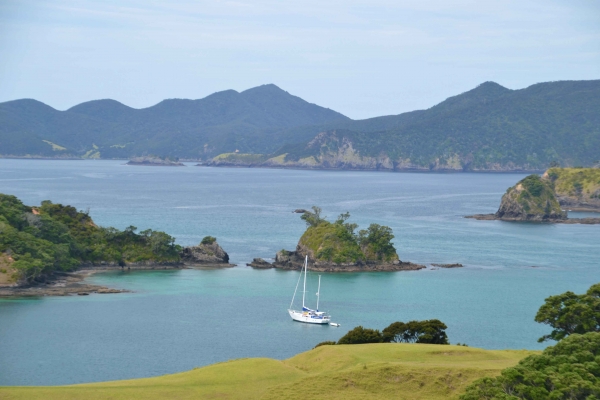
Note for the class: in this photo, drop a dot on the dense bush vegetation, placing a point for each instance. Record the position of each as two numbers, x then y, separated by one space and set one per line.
54 237
431 331
338 242
569 370
360 335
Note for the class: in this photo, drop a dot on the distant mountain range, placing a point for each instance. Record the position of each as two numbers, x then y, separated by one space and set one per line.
487 128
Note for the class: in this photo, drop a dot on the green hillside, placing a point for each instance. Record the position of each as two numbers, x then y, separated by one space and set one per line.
222 122
488 128
37 241
371 371
576 187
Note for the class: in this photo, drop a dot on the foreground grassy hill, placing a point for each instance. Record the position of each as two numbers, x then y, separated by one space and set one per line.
370 371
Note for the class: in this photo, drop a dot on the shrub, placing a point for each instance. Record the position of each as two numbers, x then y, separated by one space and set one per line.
431 331
208 240
325 343
360 335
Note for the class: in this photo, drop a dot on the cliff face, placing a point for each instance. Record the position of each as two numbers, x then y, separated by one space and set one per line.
339 149
576 188
531 199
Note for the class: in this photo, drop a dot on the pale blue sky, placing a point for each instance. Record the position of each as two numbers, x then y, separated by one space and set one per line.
361 58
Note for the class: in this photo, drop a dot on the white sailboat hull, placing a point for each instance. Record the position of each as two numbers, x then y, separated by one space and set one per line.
309 318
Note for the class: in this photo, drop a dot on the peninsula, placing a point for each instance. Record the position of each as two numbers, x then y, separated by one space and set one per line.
577 189
156 161
542 199
336 247
50 249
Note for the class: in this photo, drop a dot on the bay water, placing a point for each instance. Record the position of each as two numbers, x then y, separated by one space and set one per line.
177 320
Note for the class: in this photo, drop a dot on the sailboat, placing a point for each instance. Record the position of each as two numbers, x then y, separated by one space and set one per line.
308 315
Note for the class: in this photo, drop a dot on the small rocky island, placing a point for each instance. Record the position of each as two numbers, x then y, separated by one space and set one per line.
156 161
337 247
49 250
534 199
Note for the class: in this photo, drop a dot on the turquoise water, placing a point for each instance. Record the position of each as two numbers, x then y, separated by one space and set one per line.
177 320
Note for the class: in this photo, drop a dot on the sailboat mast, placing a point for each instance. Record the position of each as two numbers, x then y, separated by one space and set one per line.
304 291
318 292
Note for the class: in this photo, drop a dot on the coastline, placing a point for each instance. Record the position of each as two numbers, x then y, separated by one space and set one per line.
568 221
60 284
420 170
72 283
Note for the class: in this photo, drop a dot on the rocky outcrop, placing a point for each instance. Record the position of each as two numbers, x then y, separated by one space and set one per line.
294 260
259 263
155 161
531 199
205 253
58 284
455 265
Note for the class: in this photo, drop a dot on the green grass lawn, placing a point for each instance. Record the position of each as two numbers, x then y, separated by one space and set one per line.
369 371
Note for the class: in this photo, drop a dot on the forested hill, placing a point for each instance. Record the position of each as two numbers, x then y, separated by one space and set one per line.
487 128
223 121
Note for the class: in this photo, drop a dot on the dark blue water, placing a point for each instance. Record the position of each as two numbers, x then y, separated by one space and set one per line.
177 320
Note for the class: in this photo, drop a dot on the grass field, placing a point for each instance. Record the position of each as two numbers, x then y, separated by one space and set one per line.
370 371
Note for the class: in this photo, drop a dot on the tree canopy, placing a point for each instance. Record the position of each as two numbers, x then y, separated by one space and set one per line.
570 371
54 237
432 331
570 313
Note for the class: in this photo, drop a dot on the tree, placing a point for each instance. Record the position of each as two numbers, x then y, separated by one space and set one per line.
569 313
569 370
361 335
208 240
313 218
376 241
432 331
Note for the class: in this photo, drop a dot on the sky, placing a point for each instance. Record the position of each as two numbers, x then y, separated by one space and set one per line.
360 58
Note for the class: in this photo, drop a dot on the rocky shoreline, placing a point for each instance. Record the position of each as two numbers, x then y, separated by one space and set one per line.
294 261
59 284
155 162
568 221
204 256
455 265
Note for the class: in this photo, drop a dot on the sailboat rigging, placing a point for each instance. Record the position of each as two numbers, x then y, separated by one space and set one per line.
308 315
